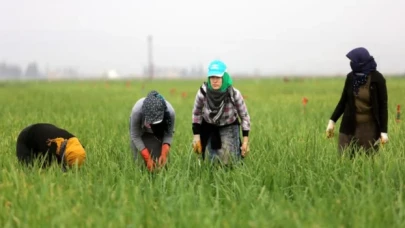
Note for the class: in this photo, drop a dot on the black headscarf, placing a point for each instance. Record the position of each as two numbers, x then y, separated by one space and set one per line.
362 63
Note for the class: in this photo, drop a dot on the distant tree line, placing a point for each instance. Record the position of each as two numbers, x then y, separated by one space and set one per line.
15 71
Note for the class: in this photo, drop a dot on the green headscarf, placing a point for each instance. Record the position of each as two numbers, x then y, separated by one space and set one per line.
226 82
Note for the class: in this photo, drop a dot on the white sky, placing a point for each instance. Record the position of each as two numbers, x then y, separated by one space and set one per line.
284 36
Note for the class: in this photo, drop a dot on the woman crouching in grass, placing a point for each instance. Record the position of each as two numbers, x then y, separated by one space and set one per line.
215 122
151 129
47 143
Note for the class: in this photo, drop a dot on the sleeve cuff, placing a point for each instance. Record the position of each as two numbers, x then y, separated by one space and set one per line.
196 128
245 133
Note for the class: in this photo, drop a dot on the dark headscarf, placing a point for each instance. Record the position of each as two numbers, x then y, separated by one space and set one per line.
362 63
218 98
154 109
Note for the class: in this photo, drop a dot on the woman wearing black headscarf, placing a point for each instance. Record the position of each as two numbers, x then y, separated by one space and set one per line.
151 129
363 104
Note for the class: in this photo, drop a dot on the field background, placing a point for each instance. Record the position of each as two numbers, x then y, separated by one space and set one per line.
291 178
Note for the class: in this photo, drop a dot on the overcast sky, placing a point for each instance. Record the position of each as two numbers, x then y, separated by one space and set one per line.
283 36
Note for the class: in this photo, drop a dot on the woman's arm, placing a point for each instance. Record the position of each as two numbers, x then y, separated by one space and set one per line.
135 125
168 137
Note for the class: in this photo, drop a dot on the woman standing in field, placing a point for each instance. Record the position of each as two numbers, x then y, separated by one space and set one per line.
215 122
363 104
48 142
151 129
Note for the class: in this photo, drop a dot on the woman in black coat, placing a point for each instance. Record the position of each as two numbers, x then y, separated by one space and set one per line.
363 104
49 143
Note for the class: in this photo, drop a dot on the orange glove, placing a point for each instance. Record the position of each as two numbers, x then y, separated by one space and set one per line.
197 144
148 159
244 148
163 154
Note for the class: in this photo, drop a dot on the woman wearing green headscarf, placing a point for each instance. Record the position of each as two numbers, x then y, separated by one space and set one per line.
217 109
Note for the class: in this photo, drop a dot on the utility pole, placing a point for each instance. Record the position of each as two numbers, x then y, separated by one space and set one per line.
150 58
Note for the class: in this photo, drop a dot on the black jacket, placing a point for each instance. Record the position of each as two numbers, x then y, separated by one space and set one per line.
379 104
32 142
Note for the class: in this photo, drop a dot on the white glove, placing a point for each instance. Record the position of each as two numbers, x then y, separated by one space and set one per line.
384 137
330 128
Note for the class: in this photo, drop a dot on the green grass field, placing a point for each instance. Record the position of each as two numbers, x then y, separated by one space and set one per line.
291 178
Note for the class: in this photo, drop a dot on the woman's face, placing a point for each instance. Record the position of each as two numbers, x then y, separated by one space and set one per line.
216 82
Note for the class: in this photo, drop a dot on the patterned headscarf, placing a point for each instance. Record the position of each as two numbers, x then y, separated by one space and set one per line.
362 63
153 107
